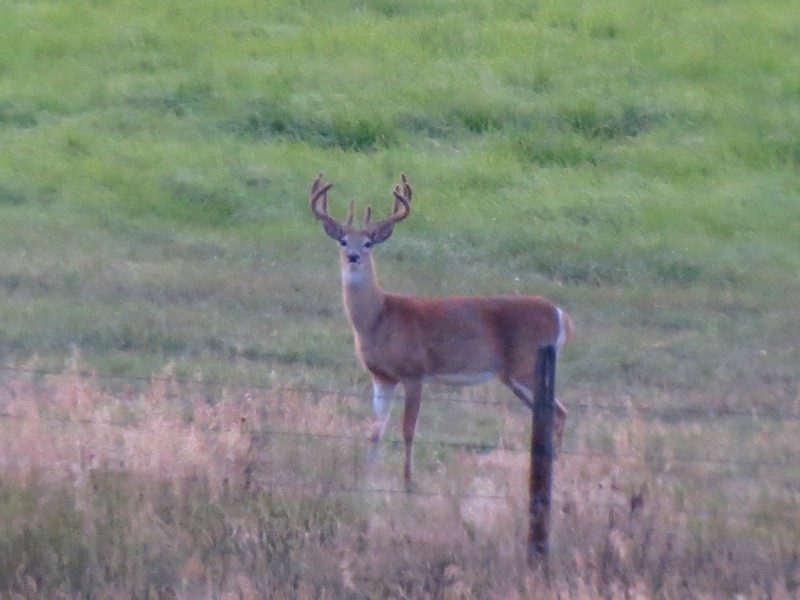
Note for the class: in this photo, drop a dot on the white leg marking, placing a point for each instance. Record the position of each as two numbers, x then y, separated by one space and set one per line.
382 396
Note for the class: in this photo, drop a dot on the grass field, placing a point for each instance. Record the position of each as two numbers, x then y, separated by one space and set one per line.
638 164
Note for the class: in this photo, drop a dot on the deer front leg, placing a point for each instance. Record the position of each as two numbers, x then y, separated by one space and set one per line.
413 393
382 395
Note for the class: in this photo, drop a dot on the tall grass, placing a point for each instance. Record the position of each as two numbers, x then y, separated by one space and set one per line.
155 489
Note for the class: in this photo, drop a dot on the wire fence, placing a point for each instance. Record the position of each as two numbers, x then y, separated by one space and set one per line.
685 413
473 446
357 443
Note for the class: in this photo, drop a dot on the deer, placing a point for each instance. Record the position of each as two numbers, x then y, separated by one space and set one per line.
411 340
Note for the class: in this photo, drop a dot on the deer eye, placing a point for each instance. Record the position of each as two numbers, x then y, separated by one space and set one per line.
368 244
343 242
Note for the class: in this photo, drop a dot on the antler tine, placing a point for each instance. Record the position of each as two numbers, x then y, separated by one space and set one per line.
406 187
320 192
316 184
367 216
402 195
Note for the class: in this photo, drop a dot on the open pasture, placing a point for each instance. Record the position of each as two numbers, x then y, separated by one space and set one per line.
181 412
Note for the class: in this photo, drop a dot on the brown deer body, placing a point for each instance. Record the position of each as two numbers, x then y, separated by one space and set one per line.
410 340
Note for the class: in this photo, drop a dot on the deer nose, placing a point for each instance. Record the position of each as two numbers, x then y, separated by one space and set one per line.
353 258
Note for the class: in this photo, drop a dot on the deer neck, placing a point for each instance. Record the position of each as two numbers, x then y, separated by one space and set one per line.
363 296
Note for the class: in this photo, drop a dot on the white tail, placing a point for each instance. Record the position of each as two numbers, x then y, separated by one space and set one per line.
405 339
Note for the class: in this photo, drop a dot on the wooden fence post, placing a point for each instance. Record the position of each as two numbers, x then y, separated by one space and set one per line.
541 476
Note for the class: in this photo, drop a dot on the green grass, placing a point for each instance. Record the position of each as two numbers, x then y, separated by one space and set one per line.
638 164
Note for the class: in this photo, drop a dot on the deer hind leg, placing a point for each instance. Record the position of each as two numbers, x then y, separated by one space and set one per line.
413 393
382 396
523 389
558 427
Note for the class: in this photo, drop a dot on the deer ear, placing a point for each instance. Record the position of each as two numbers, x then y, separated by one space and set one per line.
381 232
333 229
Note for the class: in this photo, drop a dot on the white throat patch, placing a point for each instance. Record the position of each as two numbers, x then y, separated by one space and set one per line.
352 276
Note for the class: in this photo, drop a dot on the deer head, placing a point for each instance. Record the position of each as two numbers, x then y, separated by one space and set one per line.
356 243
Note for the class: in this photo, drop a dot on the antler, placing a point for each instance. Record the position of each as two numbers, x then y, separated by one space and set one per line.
402 207
319 206
404 197
320 192
380 230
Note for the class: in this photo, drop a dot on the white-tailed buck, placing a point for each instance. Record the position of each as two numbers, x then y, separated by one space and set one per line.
410 340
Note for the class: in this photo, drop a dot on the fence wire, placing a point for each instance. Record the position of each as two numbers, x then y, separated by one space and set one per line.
686 413
305 437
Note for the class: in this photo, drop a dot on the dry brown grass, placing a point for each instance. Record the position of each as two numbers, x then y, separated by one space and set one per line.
173 488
